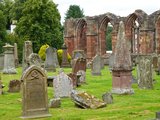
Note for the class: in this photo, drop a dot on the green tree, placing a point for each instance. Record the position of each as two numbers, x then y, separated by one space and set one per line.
109 38
74 11
2 29
40 23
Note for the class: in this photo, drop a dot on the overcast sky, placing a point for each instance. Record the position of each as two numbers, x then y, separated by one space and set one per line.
118 7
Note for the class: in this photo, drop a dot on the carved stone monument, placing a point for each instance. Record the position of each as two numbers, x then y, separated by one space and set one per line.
50 65
62 85
122 66
9 64
96 65
144 72
27 50
34 93
65 62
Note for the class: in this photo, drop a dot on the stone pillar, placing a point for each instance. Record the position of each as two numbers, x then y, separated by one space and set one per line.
122 67
65 62
27 50
9 64
16 55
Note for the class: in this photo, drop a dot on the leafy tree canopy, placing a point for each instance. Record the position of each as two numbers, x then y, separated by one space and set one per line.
40 23
74 11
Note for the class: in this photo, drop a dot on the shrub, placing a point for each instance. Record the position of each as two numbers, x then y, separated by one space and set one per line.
42 51
59 53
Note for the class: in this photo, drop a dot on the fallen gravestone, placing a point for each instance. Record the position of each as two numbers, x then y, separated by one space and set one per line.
85 100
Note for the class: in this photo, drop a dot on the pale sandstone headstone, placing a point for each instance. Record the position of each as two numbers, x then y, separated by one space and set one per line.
34 93
62 85
49 62
145 80
96 65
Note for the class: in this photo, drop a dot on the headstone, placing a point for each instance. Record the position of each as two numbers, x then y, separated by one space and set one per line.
82 77
122 65
62 85
16 55
74 79
49 62
78 54
102 63
34 59
111 59
145 80
65 62
14 86
55 103
9 64
107 98
34 93
55 59
96 65
1 61
78 64
27 50
85 100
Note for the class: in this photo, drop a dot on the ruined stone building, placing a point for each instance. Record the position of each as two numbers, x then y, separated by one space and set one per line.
89 33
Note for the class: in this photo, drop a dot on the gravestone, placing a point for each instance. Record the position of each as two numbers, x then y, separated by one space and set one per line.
14 86
81 76
74 79
78 64
107 98
27 50
144 72
55 59
111 60
85 100
9 63
62 85
65 62
122 65
102 63
49 62
34 59
78 54
1 61
96 65
34 93
16 55
55 103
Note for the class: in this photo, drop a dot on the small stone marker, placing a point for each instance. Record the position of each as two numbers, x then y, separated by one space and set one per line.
107 98
14 86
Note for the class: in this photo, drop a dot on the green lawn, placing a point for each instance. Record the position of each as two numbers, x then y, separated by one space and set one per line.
140 106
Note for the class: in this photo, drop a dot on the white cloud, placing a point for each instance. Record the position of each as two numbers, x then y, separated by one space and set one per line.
118 7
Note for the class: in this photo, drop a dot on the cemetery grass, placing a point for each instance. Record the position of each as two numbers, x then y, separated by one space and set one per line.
139 106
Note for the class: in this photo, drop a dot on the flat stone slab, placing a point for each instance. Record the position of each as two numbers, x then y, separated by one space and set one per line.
85 100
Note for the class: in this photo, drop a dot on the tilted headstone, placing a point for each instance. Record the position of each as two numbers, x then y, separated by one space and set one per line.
122 65
9 63
1 61
85 100
96 65
34 59
49 62
27 50
14 86
16 55
144 72
34 93
65 62
62 85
